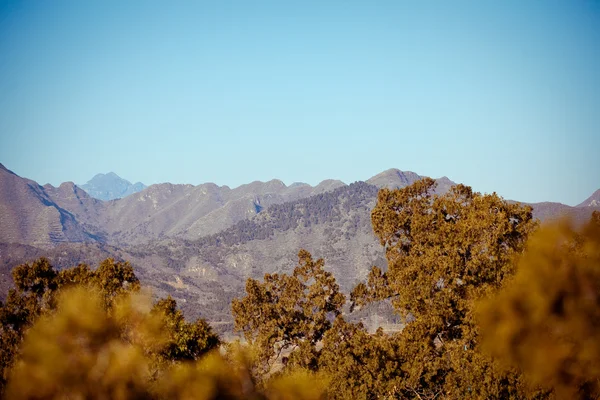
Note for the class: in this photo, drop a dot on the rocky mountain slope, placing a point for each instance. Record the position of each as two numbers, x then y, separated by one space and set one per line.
592 201
45 216
188 211
29 214
549 211
111 186
200 243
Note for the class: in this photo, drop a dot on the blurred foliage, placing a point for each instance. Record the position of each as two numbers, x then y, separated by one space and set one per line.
38 286
84 351
547 320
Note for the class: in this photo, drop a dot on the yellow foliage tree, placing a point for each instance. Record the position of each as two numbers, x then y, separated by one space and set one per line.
546 321
38 285
360 365
289 313
444 253
84 351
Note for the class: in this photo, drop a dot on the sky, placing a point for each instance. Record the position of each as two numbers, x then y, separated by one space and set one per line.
501 95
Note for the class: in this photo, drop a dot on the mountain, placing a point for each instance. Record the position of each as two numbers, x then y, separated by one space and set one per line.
159 211
592 201
187 211
110 186
393 179
200 243
29 215
549 211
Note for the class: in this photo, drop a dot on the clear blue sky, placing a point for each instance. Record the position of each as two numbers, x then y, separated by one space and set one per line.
501 95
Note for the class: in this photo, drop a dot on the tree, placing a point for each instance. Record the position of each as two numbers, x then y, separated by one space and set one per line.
360 365
186 340
83 350
547 321
444 253
289 313
38 286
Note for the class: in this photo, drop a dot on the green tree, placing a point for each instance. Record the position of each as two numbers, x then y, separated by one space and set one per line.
546 322
289 313
444 253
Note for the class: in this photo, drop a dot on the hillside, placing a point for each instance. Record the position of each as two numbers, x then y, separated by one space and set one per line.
44 216
592 201
211 270
549 211
200 243
28 215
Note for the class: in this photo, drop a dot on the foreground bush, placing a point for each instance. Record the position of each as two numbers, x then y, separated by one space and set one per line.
38 286
546 321
84 351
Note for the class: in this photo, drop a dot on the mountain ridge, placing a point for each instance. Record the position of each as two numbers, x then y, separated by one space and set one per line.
200 243
592 201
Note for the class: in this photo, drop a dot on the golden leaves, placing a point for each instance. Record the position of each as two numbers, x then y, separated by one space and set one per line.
547 320
289 313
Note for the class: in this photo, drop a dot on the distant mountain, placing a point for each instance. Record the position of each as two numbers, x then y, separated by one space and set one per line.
159 211
394 179
111 186
187 211
592 201
548 211
29 214
200 243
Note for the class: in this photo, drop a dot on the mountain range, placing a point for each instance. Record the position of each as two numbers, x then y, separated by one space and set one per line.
200 243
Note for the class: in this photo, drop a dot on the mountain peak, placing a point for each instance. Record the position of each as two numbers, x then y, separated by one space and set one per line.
3 168
393 178
111 186
592 201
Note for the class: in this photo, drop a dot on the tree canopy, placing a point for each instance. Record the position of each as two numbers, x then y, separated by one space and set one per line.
289 312
445 252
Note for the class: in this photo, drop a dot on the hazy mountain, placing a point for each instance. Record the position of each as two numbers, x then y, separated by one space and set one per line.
548 211
28 215
159 211
394 179
111 186
200 243
592 201
189 211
